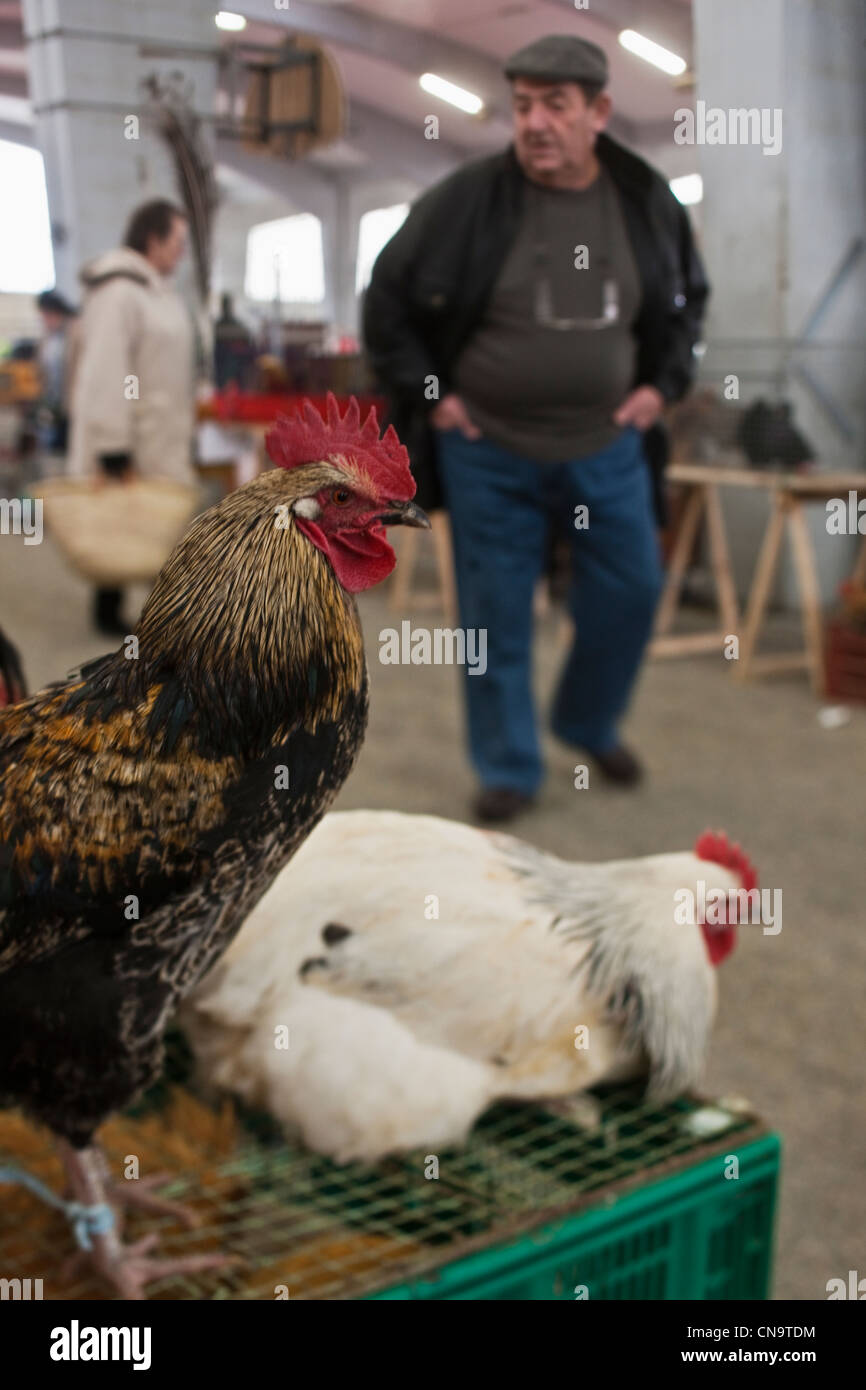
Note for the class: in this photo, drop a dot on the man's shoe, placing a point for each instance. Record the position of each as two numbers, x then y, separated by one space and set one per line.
619 765
500 804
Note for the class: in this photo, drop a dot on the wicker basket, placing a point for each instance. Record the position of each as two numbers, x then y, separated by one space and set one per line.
117 533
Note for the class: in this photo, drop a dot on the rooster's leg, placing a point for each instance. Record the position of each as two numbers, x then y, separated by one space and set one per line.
127 1267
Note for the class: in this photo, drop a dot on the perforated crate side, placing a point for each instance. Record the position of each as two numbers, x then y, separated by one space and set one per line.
694 1235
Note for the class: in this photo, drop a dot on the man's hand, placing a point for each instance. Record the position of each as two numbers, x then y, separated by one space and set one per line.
641 409
450 414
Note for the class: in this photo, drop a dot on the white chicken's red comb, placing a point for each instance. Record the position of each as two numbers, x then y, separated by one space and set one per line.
715 847
308 438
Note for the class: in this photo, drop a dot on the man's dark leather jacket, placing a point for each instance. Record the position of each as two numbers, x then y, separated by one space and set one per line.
431 283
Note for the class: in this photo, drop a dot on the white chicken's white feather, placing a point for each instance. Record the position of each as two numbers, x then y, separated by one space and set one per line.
403 1032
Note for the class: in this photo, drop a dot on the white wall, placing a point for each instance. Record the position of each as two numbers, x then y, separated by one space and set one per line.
18 317
777 226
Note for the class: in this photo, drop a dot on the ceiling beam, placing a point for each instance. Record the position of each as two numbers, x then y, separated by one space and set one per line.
395 150
398 148
417 50
394 147
413 50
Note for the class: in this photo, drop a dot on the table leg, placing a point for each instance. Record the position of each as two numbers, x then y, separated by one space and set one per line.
679 560
721 561
445 563
810 593
401 584
760 591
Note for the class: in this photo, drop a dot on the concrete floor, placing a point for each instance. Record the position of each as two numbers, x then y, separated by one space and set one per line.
752 760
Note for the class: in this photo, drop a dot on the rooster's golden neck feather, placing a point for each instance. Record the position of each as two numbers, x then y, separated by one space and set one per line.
247 625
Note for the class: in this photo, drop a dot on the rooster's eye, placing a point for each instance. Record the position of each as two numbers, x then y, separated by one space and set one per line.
341 497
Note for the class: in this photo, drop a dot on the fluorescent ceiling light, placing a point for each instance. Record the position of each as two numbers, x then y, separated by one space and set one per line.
457 96
689 188
652 52
227 19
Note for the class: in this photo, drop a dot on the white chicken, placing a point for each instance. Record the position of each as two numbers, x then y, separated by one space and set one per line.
420 969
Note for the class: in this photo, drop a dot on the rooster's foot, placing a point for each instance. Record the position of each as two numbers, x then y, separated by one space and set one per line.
138 1193
129 1268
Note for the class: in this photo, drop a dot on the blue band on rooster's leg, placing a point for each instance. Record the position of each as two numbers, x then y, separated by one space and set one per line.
86 1221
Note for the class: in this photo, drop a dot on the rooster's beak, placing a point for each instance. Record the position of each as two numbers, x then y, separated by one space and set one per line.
405 514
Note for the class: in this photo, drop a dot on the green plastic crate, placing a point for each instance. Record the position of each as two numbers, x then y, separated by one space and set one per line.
693 1235
529 1208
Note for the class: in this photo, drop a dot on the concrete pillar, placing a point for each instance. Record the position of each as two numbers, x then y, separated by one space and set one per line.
781 230
341 254
87 61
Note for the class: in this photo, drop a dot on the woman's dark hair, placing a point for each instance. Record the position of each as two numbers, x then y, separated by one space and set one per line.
152 219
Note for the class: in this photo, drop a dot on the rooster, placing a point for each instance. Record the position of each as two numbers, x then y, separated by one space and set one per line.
148 803
425 969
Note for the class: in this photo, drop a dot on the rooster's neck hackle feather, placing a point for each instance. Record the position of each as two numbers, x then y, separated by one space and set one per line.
663 998
246 628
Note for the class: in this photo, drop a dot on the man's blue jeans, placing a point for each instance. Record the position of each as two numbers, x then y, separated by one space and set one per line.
502 506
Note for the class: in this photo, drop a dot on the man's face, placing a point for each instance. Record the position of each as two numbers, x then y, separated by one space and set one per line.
164 253
555 128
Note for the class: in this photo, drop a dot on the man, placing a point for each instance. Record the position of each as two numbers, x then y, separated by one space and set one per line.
233 348
132 392
58 317
537 310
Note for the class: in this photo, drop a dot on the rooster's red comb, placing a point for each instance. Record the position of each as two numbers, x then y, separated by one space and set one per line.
381 465
716 848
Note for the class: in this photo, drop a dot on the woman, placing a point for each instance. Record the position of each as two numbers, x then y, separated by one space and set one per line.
132 390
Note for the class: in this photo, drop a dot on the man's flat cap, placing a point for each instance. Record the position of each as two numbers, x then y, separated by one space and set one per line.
560 58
